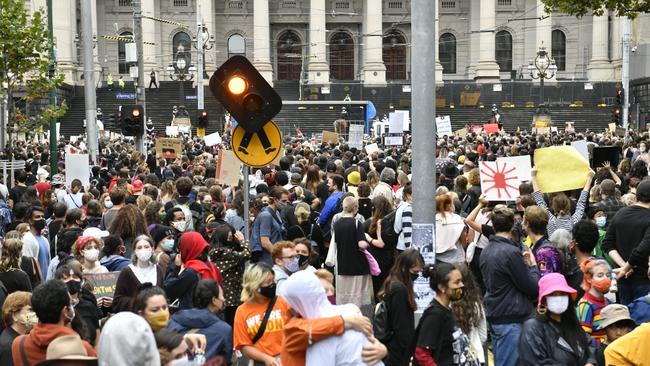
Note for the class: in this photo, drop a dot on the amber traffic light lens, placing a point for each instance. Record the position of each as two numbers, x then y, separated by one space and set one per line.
253 103
136 113
237 85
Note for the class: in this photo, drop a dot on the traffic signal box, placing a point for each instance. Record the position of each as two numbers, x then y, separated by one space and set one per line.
244 92
131 121
202 119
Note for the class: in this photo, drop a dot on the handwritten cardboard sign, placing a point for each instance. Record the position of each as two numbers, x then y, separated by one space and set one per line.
168 148
330 137
103 283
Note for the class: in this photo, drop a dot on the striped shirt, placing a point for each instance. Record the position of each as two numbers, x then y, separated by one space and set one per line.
588 310
404 223
564 222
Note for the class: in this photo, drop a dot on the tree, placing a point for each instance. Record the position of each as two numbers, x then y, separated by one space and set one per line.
629 8
24 67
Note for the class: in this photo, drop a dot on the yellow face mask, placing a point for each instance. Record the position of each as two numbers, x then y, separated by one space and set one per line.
159 320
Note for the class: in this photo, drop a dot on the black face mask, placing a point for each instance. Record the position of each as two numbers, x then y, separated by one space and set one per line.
39 224
73 287
268 291
414 276
302 260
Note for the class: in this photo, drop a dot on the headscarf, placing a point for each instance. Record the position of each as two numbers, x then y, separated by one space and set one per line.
127 339
191 246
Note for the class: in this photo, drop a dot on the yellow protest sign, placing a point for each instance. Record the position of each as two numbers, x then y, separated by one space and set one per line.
560 168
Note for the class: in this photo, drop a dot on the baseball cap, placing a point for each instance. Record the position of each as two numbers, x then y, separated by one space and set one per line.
614 313
554 282
643 191
95 232
138 186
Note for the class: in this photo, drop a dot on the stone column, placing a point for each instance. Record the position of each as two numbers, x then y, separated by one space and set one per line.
543 35
617 46
487 70
96 65
207 14
318 68
149 35
374 70
262 39
474 42
599 68
65 28
438 66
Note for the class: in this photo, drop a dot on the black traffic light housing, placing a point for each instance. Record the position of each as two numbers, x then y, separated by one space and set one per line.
619 97
202 120
132 121
244 92
616 115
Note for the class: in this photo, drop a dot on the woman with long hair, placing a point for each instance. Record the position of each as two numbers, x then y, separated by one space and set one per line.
235 214
93 214
451 232
129 223
142 269
154 214
470 315
384 254
230 254
313 178
13 278
399 298
439 340
167 191
554 336
258 291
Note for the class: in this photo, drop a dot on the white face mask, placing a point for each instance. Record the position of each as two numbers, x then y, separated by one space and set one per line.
557 304
144 254
179 225
91 255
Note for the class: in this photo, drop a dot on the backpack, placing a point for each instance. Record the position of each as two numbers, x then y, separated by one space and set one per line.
380 322
5 219
192 218
388 234
313 244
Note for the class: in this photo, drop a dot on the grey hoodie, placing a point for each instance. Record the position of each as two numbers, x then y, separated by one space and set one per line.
127 339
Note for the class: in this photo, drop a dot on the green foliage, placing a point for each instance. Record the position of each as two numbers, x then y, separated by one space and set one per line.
24 62
629 8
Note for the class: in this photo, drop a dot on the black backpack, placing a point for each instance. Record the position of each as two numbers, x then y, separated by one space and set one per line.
381 324
388 234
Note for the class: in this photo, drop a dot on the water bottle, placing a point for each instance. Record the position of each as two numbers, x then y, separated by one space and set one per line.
199 358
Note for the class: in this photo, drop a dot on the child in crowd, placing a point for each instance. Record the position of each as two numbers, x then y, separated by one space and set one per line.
596 282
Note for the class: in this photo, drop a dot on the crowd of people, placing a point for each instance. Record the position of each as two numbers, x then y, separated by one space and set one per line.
327 275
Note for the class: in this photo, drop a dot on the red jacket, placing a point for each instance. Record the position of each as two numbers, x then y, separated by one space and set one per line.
36 342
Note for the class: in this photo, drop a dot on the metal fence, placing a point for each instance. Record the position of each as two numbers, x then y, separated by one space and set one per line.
11 166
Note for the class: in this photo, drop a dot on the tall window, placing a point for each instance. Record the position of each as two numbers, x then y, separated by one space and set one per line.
394 50
236 45
503 50
447 53
289 56
122 65
342 56
182 43
558 49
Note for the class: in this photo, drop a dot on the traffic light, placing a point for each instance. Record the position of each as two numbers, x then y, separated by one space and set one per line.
619 97
132 122
244 92
616 116
202 120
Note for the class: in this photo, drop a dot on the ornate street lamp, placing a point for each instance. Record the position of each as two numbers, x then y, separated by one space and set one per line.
542 68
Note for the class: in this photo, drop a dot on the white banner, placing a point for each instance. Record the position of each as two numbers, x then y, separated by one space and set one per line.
371 148
395 122
523 165
443 126
212 139
77 166
355 136
393 140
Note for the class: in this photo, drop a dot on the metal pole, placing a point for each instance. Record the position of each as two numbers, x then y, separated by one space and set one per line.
4 117
625 71
423 109
199 58
139 92
54 156
89 79
246 203
541 89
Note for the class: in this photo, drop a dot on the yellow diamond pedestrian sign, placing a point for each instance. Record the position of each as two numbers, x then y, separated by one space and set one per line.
257 149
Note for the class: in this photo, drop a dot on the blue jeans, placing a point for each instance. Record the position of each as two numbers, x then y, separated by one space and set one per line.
505 343
630 291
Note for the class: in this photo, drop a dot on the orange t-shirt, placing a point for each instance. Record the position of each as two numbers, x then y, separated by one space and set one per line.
248 319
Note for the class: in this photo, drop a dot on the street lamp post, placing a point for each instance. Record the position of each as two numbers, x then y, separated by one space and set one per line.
180 70
542 68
